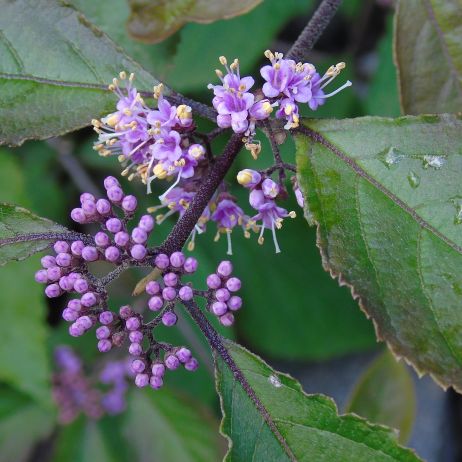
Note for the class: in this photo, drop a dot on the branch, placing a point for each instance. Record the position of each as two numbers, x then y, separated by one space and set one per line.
182 230
216 343
313 30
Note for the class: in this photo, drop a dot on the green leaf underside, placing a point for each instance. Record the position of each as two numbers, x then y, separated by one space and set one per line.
389 227
17 223
385 394
308 424
54 73
428 54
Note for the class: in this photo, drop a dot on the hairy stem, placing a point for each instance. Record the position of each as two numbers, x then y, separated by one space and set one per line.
182 230
313 30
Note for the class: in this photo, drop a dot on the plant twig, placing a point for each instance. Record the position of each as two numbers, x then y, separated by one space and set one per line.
216 343
182 230
313 30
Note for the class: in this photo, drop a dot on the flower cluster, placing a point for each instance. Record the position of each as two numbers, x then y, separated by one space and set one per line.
68 271
287 83
149 143
263 195
74 392
222 285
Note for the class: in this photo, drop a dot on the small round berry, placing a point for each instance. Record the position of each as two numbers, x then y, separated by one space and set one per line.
90 253
104 345
85 322
183 354
61 247
113 225
162 261
125 312
106 317
156 382
74 276
53 291
86 197
141 380
172 362
115 194
191 365
171 279
103 332
77 247
81 286
235 303
112 254
169 319
122 238
213 281
227 319
135 349
158 369
74 304
76 330
129 204
89 208
110 181
177 259
139 236
138 366
169 293
152 288
41 276
190 265
103 206
78 215
186 293
155 303
233 284
89 299
48 261
70 315
219 308
138 251
225 268
132 323
54 273
102 239
146 223
135 336
66 284
222 295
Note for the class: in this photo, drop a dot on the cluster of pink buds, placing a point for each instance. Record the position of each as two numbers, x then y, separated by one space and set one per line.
68 271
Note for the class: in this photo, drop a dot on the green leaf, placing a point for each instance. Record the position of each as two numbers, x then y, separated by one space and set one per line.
297 426
385 394
22 233
428 53
23 358
151 21
165 426
22 425
54 70
387 199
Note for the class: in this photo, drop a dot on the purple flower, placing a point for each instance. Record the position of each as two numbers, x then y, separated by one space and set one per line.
287 78
232 99
227 215
289 111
